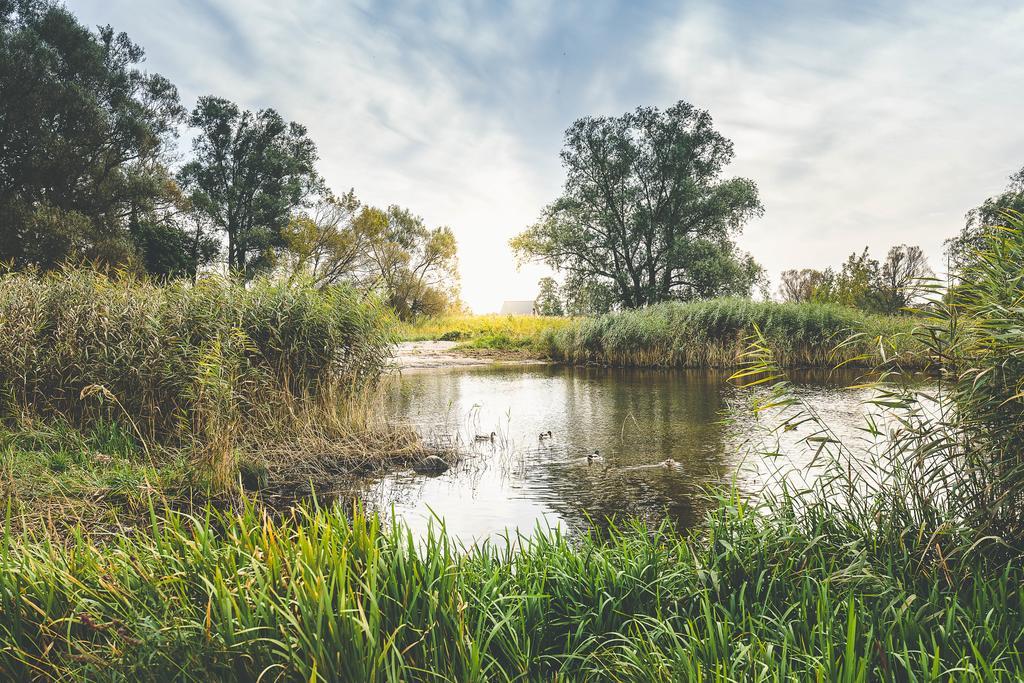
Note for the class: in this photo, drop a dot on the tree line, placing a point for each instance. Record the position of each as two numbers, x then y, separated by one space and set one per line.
904 279
646 216
88 174
889 287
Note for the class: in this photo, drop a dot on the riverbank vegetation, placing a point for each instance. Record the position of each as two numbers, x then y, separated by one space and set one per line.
122 376
714 333
710 333
328 597
899 564
496 331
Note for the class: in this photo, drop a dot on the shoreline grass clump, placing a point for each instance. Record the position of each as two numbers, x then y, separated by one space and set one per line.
714 333
209 366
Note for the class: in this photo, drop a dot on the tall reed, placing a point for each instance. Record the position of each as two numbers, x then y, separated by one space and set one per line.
714 333
184 364
942 463
326 597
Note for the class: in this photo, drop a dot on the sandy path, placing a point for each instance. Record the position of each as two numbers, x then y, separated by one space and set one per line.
442 354
431 354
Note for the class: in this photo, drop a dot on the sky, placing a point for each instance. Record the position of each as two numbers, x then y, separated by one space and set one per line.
864 124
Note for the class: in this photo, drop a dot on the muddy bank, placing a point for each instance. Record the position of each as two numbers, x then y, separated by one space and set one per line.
446 354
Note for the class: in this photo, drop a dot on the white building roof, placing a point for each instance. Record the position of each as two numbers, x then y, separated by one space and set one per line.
517 307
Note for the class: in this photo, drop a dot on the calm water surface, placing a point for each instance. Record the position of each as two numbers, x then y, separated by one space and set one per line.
635 418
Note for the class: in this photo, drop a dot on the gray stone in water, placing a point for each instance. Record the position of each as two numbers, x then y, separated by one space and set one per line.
431 465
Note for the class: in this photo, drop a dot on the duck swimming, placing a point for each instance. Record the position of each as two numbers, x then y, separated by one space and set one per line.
484 437
668 464
545 435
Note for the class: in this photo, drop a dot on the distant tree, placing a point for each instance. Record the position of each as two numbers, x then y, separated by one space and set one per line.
645 214
888 288
250 171
800 286
83 139
855 284
415 268
827 288
326 242
993 212
902 279
587 296
390 252
548 302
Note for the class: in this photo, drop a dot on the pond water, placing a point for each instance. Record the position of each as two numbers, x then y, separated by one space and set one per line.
635 419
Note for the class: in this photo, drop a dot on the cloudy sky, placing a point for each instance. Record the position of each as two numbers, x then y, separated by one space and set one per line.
864 124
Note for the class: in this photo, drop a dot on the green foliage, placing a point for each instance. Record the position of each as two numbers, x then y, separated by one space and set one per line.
802 286
329 597
326 244
205 363
55 474
389 252
644 211
994 211
978 335
587 296
714 334
903 280
413 267
549 300
84 134
249 172
891 288
168 251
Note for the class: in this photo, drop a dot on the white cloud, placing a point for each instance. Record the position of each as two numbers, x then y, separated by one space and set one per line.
393 117
869 133
873 128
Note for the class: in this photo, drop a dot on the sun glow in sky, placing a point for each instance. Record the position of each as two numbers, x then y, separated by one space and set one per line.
864 124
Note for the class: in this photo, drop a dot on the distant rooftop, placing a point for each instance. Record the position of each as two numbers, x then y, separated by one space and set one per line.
518 307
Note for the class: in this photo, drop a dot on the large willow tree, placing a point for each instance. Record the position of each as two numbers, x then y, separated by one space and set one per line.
645 211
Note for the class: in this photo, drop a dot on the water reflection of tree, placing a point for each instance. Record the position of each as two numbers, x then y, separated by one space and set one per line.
637 418
640 418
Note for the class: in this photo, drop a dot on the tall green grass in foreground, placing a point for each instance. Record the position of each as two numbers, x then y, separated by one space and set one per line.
211 366
714 334
323 598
